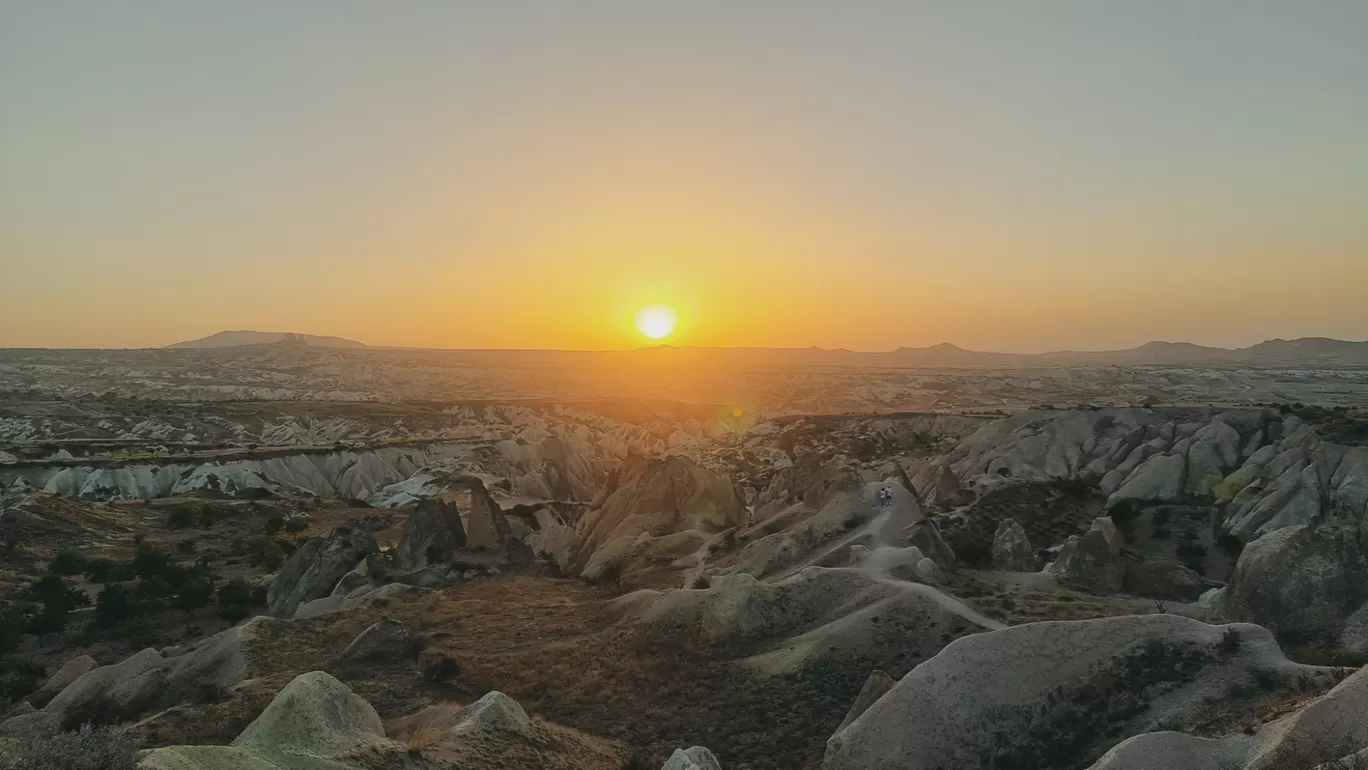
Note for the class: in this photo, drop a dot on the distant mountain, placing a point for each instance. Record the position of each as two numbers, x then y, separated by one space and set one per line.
240 338
1309 352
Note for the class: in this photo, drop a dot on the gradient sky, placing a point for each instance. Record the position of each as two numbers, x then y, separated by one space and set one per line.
1005 176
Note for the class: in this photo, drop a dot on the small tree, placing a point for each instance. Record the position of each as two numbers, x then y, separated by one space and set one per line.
235 600
193 595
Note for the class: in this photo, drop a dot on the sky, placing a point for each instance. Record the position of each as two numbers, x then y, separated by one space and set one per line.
1015 176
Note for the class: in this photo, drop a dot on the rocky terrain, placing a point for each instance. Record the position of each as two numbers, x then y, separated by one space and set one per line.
302 556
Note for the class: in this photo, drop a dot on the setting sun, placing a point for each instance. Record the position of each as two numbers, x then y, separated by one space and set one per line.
656 321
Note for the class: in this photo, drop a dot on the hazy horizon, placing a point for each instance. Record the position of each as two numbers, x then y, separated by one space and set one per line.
1076 176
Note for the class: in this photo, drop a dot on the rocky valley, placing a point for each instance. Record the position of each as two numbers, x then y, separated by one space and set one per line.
301 554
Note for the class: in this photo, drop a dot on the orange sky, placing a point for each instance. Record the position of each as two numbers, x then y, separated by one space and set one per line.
529 175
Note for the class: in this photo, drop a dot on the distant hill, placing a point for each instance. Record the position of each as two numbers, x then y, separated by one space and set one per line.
239 338
1307 352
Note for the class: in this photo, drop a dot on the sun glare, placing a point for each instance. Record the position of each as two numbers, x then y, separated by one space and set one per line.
656 321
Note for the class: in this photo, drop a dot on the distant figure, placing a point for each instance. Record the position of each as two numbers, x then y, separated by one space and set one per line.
885 497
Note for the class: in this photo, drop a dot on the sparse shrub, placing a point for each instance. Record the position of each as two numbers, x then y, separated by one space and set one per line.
67 563
22 677
113 606
15 619
148 562
1161 533
294 526
89 748
1161 517
638 761
1230 641
97 711
1233 546
205 518
1190 552
1123 515
440 668
102 570
1160 606
193 594
268 554
210 692
274 524
181 517
141 631
58 600
187 546
287 547
612 574
235 600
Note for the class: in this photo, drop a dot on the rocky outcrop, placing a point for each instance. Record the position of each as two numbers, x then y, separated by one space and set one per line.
495 713
361 597
369 573
817 615
1092 562
1302 583
487 529
1162 579
666 496
315 721
1012 550
69 672
878 683
1056 694
149 681
556 543
693 758
925 535
315 569
385 641
1328 733
432 534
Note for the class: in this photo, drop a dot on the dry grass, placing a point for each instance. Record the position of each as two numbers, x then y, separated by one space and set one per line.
555 647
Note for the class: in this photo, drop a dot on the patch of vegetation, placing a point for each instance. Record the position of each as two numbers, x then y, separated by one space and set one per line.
89 748
439 668
1191 552
235 600
67 563
1072 727
20 678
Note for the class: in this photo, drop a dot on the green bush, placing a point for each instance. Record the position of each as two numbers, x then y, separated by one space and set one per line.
182 517
235 600
149 562
187 546
15 620
268 554
295 526
50 590
67 563
193 594
102 570
274 524
21 678
113 606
